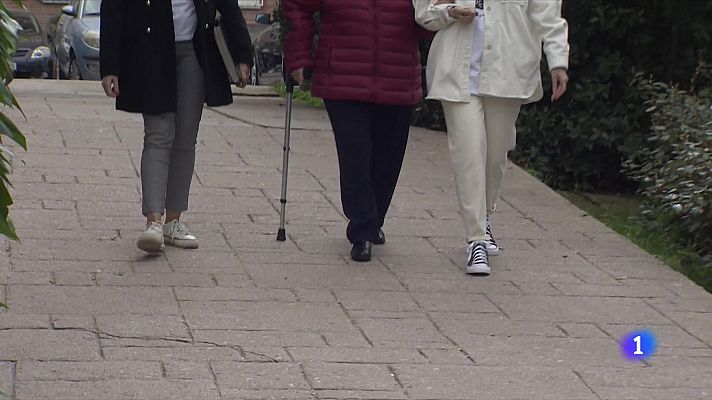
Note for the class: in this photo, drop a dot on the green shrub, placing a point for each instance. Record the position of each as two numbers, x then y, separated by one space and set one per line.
300 95
581 141
8 39
428 114
674 167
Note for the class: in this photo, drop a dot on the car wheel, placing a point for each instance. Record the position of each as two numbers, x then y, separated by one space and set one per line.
74 73
254 76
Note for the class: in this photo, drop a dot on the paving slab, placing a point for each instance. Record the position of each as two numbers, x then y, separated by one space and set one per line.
247 317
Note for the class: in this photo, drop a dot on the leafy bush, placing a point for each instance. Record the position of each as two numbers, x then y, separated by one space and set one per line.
674 167
581 141
429 114
300 95
8 39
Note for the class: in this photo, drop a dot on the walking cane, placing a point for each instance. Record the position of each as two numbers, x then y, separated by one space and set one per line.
281 233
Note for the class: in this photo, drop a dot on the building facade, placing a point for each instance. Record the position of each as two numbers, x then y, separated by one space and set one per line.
44 10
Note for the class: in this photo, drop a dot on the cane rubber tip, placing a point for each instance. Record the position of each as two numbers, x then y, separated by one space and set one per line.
281 235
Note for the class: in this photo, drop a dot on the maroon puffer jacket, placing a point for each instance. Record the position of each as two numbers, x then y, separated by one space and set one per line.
368 49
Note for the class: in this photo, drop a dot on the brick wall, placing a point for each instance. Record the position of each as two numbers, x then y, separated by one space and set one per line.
43 12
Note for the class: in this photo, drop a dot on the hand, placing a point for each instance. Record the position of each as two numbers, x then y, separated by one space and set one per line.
298 76
110 83
559 79
462 14
244 75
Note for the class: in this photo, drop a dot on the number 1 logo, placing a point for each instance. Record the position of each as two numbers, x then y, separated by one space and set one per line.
637 351
638 345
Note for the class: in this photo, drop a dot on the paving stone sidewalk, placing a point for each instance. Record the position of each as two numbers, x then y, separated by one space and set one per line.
247 317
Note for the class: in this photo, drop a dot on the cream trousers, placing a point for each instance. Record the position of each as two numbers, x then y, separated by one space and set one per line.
480 133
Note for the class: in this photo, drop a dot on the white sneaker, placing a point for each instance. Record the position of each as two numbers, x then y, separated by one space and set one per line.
477 260
151 240
176 234
492 248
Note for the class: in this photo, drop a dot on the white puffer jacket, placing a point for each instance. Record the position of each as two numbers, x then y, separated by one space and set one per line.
514 33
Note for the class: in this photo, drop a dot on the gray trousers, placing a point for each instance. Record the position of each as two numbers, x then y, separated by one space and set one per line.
168 157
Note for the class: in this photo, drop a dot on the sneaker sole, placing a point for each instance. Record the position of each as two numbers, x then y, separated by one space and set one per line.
149 245
187 244
476 270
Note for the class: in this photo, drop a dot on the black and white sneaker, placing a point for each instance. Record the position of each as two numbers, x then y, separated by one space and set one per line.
477 259
492 248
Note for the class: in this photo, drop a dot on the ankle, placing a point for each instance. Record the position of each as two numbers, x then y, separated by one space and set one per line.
172 215
153 217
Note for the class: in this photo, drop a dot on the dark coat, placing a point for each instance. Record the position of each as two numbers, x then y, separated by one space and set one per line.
368 49
138 46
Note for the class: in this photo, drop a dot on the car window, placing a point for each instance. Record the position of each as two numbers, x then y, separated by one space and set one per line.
28 24
92 7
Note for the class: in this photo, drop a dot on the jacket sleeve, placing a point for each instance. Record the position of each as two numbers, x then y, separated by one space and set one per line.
236 29
113 14
298 41
549 27
430 17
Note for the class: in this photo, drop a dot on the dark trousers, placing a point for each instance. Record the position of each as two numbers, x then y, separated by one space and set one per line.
370 141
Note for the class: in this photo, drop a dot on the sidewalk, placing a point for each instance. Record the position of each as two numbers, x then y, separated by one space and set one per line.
247 317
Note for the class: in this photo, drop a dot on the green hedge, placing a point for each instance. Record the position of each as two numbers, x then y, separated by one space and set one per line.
582 141
8 129
674 166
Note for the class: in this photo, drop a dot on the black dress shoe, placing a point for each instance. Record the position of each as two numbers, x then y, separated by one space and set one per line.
361 251
381 238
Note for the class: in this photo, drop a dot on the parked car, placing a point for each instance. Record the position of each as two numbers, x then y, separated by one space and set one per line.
32 55
267 55
75 40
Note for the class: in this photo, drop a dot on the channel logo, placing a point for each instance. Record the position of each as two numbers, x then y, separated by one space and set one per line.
638 345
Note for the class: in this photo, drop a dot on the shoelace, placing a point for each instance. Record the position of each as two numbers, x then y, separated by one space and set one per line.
178 229
490 235
478 254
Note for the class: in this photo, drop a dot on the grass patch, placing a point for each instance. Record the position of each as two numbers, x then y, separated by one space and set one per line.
300 96
623 214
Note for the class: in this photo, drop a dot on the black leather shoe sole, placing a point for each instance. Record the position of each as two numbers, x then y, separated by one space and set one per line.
361 251
381 239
